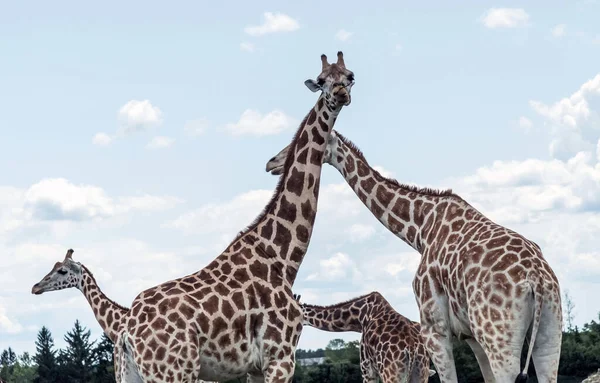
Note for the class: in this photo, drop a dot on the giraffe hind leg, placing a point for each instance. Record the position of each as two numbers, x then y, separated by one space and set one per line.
546 350
127 370
437 337
482 360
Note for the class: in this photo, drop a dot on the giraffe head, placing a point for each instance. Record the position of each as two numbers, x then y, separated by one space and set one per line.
63 275
335 81
275 164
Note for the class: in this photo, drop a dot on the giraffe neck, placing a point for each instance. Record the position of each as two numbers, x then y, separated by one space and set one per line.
107 312
408 212
284 229
352 315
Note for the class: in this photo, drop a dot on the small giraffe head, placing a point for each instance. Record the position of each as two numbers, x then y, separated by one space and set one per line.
275 164
63 275
335 81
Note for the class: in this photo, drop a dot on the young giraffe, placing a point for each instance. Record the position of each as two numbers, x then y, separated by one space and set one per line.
390 344
67 274
238 315
477 280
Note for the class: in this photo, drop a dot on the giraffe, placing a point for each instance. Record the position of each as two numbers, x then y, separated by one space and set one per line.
237 316
68 274
477 280
390 345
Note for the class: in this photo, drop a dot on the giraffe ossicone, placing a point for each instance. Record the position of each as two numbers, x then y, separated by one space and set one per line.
390 344
237 315
477 280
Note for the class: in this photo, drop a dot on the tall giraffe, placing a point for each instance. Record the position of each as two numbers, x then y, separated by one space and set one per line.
67 274
390 344
477 280
237 315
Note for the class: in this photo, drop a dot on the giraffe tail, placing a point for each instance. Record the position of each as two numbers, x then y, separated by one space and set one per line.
537 288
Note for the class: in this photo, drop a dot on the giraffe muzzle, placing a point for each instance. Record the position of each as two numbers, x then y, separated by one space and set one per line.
36 289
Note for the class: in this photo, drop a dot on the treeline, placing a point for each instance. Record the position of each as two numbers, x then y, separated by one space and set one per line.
580 357
81 361
92 361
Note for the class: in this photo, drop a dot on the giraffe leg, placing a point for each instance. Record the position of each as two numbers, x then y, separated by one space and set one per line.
502 336
280 371
367 369
255 378
546 350
437 336
126 371
482 360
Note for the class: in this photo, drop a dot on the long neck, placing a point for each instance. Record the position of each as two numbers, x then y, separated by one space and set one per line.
287 225
408 212
107 312
352 315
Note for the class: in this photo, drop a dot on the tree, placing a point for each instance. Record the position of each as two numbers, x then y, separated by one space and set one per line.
8 360
45 357
570 310
104 370
77 361
25 371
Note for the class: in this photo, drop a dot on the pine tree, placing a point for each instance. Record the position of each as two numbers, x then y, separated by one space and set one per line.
45 357
8 360
104 351
77 361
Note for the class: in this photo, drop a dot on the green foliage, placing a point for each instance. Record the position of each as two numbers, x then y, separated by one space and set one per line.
77 360
84 361
104 369
45 357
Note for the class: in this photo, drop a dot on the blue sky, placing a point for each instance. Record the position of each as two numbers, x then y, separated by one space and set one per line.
137 133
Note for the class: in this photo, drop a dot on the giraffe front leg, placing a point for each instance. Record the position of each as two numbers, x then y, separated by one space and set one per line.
367 368
437 336
280 371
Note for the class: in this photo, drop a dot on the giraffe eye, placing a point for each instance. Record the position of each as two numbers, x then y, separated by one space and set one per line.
62 272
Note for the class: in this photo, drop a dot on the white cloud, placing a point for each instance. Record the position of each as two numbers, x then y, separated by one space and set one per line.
225 219
102 139
246 46
8 325
160 142
384 172
359 232
525 123
57 199
343 35
273 23
196 127
560 30
504 18
336 267
137 116
574 120
252 122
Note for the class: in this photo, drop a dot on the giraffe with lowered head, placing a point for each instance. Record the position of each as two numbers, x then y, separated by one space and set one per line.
477 280
237 315
390 344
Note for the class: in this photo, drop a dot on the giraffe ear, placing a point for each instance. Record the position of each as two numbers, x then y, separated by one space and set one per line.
312 85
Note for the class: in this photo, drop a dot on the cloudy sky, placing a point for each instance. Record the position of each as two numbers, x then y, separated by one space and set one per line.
137 134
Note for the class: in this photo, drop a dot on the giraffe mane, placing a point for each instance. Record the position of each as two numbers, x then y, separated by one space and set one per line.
410 188
96 283
339 304
286 168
